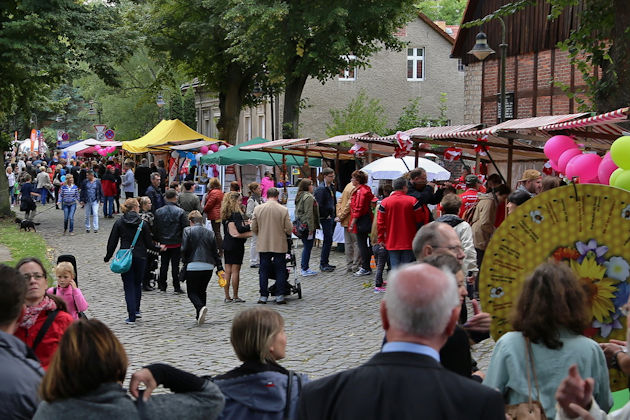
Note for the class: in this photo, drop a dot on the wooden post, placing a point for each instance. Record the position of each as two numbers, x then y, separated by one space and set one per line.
509 162
417 155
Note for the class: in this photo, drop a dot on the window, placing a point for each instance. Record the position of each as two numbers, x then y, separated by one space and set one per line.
460 65
350 72
248 127
261 126
415 63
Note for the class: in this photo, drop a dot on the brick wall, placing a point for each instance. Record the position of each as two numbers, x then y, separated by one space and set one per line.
536 80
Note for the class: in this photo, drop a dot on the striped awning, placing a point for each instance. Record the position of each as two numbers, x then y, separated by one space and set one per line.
274 143
605 123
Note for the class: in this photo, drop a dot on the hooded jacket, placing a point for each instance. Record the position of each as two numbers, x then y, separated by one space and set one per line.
124 230
483 220
21 374
307 210
464 232
259 392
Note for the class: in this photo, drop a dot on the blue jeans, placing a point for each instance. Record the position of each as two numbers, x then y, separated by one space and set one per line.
91 209
328 227
132 284
306 252
402 256
108 206
11 195
277 262
44 195
68 216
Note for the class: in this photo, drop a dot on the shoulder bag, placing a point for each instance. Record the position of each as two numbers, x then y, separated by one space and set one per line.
81 314
532 409
124 257
236 234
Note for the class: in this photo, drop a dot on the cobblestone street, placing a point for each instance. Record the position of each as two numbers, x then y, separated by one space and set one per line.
335 326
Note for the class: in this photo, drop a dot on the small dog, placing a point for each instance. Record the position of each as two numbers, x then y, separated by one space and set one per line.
27 225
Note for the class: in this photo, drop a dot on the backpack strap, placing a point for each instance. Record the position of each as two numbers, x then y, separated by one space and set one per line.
44 329
287 405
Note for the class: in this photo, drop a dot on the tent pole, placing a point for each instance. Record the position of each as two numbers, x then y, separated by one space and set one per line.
496 167
417 154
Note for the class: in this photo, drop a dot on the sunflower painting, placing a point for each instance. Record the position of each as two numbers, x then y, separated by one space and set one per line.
605 280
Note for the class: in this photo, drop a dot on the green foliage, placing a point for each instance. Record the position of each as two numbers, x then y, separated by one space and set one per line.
450 11
410 116
190 114
361 114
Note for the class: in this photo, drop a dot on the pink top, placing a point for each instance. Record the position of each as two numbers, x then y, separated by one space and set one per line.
265 184
73 297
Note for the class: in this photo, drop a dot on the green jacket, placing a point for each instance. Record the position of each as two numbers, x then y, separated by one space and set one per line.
306 210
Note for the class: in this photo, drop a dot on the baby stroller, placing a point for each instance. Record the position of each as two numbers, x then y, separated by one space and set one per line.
153 264
294 287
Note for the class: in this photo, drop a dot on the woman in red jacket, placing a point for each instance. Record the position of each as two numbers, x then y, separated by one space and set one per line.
39 307
213 210
361 218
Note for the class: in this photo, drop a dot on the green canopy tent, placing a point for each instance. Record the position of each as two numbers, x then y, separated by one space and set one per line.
232 155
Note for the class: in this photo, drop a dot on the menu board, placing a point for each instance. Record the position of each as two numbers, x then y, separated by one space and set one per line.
585 226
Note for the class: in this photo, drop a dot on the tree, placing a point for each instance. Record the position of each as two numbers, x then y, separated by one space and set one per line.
299 39
194 35
190 114
410 116
450 11
45 42
362 114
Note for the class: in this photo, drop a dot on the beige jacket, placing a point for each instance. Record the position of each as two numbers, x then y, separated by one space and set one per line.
271 223
343 205
483 220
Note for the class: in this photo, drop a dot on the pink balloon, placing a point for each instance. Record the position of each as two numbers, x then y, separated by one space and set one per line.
203 150
97 147
214 147
565 157
605 170
554 166
584 166
556 145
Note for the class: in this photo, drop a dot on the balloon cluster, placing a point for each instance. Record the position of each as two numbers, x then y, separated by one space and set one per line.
620 156
566 158
214 147
105 151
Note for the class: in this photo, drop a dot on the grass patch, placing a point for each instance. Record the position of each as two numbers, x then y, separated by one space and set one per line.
22 244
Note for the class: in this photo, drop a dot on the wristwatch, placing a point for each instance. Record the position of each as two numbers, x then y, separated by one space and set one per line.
615 359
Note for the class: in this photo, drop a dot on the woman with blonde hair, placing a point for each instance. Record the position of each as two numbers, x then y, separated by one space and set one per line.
259 341
124 230
212 209
86 375
233 247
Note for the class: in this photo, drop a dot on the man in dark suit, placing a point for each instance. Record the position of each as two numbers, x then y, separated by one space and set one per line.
405 380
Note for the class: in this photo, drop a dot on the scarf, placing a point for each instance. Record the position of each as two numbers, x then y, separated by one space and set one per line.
32 312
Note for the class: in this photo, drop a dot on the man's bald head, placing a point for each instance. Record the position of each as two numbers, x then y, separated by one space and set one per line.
437 238
419 304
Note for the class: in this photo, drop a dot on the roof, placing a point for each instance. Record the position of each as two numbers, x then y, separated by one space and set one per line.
436 28
166 133
233 155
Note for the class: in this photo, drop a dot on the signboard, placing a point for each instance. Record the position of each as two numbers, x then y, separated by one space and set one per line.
65 137
230 170
100 131
33 138
509 106
109 134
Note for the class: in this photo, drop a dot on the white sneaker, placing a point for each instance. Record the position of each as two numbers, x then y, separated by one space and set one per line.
362 272
202 316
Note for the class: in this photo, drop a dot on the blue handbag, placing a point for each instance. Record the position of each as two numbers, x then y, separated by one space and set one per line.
124 257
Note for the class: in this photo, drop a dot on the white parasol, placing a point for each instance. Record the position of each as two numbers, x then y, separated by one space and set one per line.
392 168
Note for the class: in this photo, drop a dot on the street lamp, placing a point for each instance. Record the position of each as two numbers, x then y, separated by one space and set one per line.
481 50
160 103
95 111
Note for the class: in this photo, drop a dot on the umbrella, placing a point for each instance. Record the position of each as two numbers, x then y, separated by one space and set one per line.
392 168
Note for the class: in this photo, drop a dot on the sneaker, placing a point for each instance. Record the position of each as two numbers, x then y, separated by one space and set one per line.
138 315
280 300
306 273
130 322
228 300
87 230
262 300
202 316
254 266
379 290
71 233
327 269
362 272
96 231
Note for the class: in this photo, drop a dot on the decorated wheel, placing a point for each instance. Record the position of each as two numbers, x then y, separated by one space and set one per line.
299 290
585 226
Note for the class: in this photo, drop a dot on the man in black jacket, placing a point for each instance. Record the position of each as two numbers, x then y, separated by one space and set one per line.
327 203
170 221
422 190
143 176
405 380
154 193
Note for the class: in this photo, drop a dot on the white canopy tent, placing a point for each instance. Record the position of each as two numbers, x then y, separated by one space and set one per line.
84 144
392 168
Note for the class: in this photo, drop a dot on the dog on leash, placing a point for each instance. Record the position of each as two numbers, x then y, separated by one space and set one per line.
27 225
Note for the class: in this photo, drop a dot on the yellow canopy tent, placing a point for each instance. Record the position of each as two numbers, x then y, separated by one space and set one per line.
166 133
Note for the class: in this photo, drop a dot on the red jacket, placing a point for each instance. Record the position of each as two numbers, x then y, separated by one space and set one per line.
213 204
360 203
109 188
398 218
49 343
469 199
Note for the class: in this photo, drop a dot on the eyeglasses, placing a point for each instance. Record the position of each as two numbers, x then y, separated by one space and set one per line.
452 248
36 276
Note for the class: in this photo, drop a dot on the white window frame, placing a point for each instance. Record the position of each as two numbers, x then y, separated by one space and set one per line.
415 58
460 65
345 74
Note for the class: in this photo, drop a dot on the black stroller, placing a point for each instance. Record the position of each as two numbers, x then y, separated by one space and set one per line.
294 287
72 260
152 274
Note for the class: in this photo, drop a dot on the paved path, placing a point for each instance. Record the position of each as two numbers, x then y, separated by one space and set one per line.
334 327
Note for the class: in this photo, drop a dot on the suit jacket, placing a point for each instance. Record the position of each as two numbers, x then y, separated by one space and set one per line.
399 385
272 224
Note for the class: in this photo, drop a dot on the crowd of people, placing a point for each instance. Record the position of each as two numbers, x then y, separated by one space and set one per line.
68 365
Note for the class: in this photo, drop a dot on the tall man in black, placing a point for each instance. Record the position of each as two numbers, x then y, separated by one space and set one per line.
143 176
422 190
169 224
154 193
327 203
405 380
